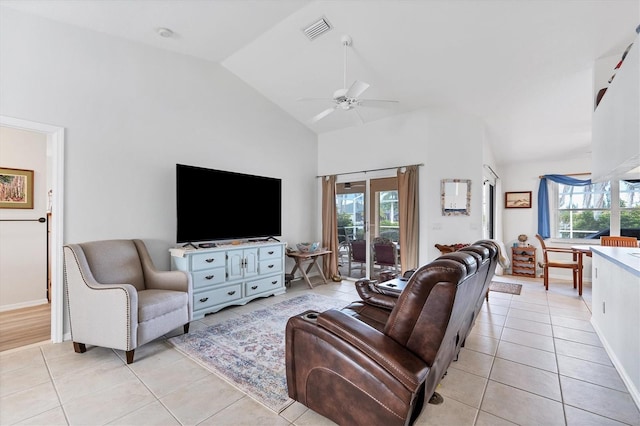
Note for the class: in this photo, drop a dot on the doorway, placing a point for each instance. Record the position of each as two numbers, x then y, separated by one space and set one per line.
368 217
55 171
488 210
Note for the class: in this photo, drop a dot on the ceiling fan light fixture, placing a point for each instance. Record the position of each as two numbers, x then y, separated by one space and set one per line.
317 28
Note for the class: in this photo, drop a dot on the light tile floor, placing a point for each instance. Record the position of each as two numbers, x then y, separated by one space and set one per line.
531 359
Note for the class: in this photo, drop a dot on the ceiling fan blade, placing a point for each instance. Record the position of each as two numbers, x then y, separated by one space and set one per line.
357 88
359 116
376 103
314 99
323 114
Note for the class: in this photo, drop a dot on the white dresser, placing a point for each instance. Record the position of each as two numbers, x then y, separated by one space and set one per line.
231 274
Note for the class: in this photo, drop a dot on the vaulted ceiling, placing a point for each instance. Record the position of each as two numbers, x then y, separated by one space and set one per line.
523 66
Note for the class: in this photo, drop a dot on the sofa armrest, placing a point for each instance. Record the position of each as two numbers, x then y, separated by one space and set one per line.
99 314
160 280
372 295
396 359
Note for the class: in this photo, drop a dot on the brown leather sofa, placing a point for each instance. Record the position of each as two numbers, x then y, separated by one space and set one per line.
375 361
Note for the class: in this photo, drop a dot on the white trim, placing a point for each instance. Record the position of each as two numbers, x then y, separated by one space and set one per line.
55 144
30 303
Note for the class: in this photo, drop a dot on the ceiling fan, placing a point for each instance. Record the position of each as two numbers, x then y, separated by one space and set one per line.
348 98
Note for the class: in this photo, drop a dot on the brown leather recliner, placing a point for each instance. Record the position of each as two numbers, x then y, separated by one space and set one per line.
378 368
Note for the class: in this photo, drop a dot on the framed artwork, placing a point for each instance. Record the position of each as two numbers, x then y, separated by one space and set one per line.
517 200
16 188
455 197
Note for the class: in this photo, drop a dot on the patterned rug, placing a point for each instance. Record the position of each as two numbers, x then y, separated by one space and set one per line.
249 351
505 287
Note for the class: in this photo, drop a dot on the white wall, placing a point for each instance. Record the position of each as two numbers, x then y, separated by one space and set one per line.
131 113
450 145
23 243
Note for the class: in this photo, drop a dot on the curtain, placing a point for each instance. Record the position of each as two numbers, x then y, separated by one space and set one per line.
329 226
408 211
544 227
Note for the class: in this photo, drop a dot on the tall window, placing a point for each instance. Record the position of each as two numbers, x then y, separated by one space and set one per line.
591 211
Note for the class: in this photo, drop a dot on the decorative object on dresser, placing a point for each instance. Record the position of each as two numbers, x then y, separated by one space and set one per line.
523 261
231 274
517 200
118 299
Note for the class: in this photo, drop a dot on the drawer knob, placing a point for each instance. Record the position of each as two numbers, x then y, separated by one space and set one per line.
270 266
231 293
209 277
270 252
204 299
209 260
253 287
274 282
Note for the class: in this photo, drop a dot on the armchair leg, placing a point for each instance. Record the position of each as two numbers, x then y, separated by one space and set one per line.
130 356
186 328
79 348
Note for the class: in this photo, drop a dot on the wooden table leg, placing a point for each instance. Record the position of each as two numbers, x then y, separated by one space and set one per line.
304 273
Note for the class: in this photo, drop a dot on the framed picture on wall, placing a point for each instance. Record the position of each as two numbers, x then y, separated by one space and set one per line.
517 200
16 188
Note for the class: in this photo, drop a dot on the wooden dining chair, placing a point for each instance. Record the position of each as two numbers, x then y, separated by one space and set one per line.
575 265
619 241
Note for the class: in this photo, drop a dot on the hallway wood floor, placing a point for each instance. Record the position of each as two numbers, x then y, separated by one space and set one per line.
21 327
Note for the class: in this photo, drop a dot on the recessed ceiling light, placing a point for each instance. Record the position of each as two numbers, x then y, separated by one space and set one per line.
164 32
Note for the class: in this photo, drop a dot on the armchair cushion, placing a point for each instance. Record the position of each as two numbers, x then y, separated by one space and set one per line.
155 303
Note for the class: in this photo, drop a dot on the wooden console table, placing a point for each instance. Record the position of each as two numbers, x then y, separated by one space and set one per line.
311 257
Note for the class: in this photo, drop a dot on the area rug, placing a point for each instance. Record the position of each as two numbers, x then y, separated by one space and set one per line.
505 287
249 351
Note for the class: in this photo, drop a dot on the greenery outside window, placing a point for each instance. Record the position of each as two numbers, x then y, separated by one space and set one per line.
589 212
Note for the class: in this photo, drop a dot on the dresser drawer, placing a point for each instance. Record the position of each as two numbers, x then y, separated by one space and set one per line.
216 296
208 260
208 277
269 266
270 252
263 285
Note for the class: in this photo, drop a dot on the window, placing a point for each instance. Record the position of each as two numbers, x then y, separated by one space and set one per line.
591 211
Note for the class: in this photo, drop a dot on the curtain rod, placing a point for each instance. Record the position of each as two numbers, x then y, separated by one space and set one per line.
371 170
568 174
492 171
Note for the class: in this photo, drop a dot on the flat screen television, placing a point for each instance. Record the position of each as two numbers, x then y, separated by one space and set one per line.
215 205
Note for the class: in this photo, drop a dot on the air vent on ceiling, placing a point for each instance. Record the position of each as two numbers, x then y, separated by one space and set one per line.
317 28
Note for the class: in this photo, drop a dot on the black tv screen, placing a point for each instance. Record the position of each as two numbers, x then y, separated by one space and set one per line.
222 205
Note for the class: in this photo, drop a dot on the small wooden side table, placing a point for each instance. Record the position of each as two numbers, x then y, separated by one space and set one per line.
312 259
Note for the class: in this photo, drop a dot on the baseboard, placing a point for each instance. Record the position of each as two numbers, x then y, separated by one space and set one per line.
624 375
20 305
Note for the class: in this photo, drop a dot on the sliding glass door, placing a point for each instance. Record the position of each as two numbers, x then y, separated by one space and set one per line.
368 217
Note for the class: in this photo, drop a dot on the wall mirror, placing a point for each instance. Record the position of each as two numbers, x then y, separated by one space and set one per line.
456 197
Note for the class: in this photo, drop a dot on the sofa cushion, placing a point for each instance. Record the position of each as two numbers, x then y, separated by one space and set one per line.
154 303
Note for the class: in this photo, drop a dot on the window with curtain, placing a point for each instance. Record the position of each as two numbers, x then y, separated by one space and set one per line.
591 211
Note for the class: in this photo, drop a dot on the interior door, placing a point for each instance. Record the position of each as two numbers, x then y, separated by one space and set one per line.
488 210
366 209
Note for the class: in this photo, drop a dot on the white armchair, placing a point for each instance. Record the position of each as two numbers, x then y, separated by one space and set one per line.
118 299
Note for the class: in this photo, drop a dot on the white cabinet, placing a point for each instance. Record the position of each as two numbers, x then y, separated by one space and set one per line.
616 310
231 275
